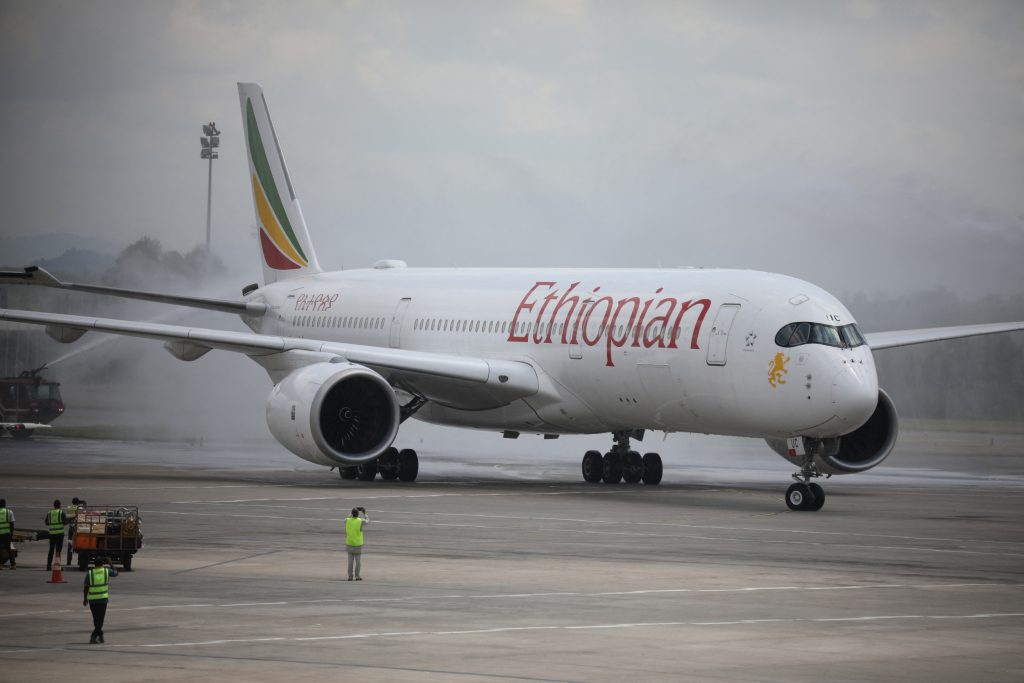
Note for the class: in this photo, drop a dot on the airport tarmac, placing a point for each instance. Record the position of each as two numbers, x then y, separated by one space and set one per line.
501 564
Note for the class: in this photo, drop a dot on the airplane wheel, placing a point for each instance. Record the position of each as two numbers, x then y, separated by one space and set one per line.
819 496
367 471
387 464
348 472
611 470
799 497
408 464
593 467
633 468
652 469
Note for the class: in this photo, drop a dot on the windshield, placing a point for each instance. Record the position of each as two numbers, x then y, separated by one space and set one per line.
796 334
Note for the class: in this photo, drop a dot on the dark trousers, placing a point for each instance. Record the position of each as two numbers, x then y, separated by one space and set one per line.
56 544
5 545
99 613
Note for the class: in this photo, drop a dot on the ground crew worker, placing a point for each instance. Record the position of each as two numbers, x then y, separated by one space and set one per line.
96 594
72 516
6 533
55 520
354 526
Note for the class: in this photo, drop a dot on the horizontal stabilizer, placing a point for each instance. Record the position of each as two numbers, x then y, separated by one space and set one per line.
34 275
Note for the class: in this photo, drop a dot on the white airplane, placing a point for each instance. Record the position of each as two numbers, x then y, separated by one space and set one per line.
354 353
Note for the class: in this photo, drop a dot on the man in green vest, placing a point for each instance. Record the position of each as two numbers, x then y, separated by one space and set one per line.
72 514
7 533
96 595
354 526
55 520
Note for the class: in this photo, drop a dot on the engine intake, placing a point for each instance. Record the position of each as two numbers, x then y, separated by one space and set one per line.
858 451
334 413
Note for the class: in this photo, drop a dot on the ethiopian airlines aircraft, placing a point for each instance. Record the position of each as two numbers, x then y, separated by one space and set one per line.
354 353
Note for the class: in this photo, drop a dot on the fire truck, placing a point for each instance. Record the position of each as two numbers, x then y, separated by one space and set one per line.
28 402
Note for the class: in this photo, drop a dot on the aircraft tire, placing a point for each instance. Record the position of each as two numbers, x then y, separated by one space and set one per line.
408 464
387 464
611 470
348 472
799 497
652 469
632 468
593 467
819 497
367 471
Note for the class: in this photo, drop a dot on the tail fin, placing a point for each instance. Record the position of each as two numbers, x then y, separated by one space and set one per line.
284 240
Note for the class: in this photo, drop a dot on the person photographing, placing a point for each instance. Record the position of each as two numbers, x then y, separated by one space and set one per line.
354 526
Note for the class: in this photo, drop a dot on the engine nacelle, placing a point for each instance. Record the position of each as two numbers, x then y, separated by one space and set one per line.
858 451
334 413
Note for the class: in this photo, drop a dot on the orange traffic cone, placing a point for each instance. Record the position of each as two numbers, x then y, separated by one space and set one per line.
57 576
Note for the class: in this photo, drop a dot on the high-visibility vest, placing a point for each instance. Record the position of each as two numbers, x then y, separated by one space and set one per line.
55 522
5 521
99 583
72 512
353 531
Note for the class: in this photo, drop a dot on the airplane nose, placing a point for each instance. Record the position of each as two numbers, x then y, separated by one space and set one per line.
854 393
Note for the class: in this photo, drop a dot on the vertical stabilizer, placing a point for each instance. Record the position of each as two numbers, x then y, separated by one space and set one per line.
284 240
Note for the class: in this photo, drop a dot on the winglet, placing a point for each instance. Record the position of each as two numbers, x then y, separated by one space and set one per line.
284 240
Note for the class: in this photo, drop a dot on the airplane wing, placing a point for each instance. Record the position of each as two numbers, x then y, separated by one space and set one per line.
502 380
34 275
889 340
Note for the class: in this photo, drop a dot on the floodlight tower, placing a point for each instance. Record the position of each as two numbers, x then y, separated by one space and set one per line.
210 142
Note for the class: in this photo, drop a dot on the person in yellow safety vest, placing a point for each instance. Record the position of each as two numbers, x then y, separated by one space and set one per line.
72 515
7 533
96 594
354 526
55 520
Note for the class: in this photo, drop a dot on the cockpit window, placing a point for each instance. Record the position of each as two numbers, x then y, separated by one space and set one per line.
852 336
797 334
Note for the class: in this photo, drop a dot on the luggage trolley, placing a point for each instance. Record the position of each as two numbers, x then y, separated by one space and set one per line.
112 531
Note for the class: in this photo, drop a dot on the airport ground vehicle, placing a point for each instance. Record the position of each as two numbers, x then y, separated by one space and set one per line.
29 399
19 536
111 531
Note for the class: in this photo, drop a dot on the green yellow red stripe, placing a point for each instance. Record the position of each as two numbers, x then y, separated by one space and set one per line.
272 197
271 226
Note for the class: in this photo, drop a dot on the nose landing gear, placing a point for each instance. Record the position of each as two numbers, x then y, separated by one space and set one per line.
805 495
622 464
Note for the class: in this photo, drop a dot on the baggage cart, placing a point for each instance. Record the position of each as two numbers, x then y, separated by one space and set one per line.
111 531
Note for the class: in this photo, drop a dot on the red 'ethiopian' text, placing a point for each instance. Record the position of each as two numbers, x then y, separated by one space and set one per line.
594 319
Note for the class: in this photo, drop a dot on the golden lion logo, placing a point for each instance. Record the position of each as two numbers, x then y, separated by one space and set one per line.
776 369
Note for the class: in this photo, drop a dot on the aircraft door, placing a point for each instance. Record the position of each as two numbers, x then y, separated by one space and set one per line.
395 338
720 333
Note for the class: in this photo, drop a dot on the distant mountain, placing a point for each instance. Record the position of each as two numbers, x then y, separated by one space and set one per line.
78 261
27 250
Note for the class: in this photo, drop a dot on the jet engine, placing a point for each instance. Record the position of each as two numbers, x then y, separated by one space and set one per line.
858 451
334 413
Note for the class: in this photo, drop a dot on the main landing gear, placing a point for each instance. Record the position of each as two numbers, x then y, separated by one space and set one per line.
805 494
622 464
393 464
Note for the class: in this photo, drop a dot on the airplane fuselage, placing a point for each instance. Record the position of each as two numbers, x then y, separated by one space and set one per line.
671 350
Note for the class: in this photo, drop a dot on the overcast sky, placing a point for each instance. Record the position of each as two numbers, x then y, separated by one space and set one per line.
859 145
